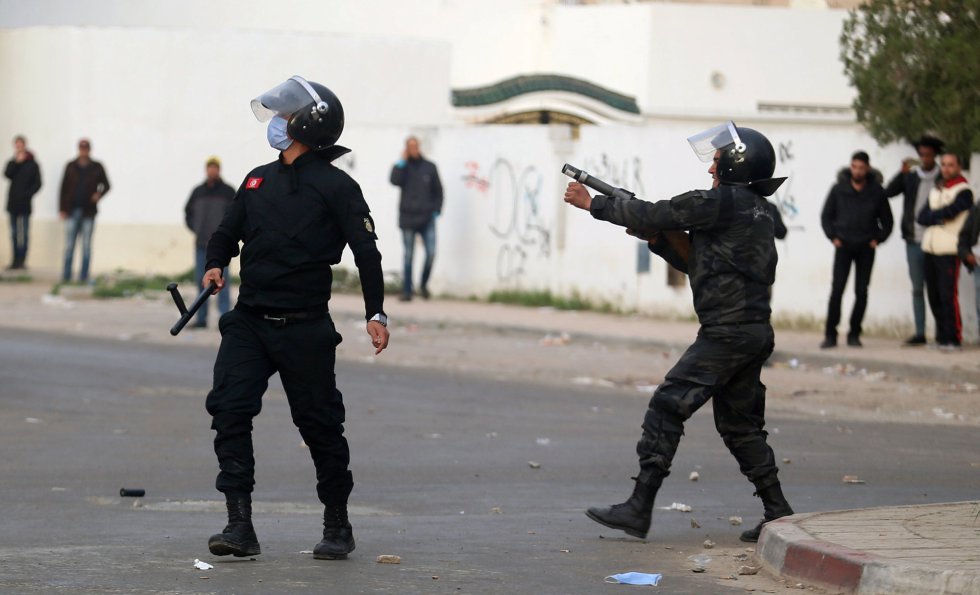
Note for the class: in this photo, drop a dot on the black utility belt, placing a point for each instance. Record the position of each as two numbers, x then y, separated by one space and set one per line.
280 318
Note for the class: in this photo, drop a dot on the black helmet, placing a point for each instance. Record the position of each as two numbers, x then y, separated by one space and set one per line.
746 156
315 115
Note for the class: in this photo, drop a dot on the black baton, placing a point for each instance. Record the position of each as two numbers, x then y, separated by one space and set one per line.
595 183
185 313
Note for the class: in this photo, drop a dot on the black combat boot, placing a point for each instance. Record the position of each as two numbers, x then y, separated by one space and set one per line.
338 536
776 507
632 516
238 538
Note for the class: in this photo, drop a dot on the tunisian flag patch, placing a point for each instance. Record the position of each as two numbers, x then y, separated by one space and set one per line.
253 183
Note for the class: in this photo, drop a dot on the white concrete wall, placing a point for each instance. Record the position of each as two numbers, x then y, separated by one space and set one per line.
157 102
664 54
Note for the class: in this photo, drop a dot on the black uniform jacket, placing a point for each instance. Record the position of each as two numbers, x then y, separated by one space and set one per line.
732 259
294 222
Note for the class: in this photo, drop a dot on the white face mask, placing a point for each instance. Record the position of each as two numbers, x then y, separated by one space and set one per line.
278 138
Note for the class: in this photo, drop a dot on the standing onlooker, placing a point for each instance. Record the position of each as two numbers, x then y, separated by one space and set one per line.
82 187
420 206
914 184
856 218
944 215
969 250
25 180
203 213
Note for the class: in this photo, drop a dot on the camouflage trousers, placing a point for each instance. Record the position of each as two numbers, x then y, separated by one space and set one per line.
723 364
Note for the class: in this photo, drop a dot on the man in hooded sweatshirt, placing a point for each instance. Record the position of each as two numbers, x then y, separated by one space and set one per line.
856 218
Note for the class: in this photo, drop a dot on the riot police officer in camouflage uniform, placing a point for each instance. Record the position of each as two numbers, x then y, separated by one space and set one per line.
294 217
723 238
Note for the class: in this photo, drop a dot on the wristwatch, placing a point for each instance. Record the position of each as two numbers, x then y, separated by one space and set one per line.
382 318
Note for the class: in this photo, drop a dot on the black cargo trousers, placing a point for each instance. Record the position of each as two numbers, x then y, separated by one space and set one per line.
724 363
252 349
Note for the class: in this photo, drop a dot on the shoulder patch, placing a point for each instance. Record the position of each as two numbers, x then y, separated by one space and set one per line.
253 183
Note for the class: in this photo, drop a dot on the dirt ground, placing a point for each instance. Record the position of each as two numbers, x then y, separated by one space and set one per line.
925 392
839 392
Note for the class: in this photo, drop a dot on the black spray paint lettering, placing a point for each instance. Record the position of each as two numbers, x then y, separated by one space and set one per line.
621 173
783 197
346 163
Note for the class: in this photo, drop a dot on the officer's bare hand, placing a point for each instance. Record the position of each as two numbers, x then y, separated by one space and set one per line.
215 276
971 259
837 243
873 244
577 196
379 335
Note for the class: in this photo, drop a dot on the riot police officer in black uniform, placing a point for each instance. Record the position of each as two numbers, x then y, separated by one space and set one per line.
723 238
294 217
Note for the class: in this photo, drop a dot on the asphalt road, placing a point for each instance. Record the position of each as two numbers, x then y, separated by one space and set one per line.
441 471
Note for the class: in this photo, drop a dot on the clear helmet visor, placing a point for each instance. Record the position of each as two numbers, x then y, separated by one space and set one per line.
284 99
706 143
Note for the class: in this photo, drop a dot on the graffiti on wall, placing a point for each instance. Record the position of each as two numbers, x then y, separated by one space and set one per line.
783 197
622 173
347 163
517 221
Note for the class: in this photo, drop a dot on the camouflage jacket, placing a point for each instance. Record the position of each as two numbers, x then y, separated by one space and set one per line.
732 259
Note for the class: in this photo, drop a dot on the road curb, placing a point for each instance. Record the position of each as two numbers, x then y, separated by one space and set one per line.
786 549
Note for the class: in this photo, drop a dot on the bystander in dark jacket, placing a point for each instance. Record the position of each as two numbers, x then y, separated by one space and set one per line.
856 218
203 213
79 184
421 192
420 205
206 207
25 181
